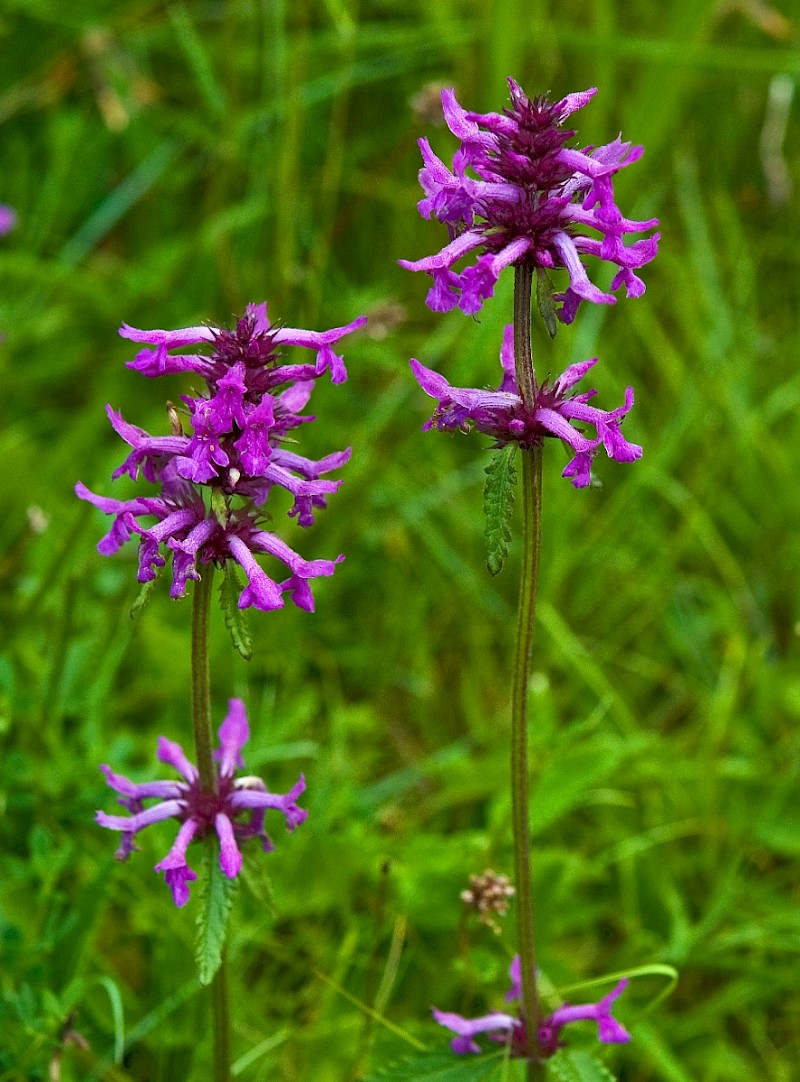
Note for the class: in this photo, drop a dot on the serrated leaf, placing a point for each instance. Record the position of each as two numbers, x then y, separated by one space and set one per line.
215 897
544 302
575 1065
442 1067
498 504
235 620
142 598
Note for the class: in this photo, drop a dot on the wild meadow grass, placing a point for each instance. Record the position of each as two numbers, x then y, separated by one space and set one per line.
171 162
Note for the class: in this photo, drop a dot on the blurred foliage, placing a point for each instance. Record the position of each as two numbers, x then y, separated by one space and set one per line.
170 162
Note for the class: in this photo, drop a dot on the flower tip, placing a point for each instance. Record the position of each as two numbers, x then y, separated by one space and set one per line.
8 219
611 1032
617 990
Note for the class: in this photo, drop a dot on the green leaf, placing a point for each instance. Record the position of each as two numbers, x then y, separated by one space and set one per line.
498 503
142 598
574 1065
219 506
235 619
544 302
443 1067
216 896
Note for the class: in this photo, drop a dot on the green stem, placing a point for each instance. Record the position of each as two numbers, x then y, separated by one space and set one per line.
526 617
523 359
204 749
220 1008
201 682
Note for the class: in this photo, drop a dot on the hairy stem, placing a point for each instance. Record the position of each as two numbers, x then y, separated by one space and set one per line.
523 360
220 1007
526 616
204 750
201 682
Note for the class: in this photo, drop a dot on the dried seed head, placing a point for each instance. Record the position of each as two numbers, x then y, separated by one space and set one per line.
488 895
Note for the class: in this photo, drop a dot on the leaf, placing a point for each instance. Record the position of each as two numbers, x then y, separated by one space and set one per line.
235 619
498 503
571 1065
219 506
442 1067
216 897
544 302
142 598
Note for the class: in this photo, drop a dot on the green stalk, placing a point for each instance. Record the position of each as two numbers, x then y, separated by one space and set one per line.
523 358
220 1009
204 749
201 682
526 617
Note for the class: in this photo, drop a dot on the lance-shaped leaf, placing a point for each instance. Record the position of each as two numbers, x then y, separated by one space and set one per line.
498 505
215 899
235 618
544 301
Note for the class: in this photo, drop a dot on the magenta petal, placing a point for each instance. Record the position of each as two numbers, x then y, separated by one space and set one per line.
173 754
431 382
467 1028
162 789
233 735
178 879
259 798
167 809
515 973
187 336
261 591
230 859
8 219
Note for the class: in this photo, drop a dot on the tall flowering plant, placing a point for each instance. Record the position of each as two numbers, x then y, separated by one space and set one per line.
519 193
229 445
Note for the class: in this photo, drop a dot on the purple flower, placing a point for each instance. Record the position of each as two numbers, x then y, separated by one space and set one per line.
502 414
8 219
507 1028
234 452
200 812
532 200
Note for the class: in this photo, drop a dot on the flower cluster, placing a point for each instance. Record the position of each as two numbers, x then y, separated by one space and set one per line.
236 452
533 197
509 1028
200 812
504 416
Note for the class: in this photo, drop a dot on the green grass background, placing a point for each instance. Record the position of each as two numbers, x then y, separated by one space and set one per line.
170 162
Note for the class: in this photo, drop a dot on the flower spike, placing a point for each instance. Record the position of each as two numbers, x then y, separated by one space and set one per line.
216 477
529 201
